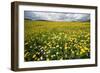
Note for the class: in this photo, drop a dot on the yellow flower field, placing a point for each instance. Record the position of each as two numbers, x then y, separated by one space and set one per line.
48 40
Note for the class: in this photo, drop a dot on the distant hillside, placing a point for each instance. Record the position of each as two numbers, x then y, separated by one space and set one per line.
40 20
34 20
57 21
27 19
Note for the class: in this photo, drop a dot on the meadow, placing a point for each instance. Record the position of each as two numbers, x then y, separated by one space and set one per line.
49 40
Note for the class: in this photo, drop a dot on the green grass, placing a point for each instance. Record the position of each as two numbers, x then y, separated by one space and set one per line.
45 40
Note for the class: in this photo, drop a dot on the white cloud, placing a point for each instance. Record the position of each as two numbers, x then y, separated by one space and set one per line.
54 16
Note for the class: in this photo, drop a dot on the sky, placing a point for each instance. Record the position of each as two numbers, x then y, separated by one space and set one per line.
56 16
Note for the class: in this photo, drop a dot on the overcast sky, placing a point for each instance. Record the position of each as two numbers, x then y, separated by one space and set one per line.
55 16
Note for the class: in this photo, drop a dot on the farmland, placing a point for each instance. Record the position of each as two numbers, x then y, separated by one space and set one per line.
49 40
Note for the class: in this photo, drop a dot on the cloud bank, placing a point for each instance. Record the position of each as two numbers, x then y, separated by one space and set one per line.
56 16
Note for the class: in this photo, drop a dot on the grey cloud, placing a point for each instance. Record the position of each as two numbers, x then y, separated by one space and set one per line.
54 16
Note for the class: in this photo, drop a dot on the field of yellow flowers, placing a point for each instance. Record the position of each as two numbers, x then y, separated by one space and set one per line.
46 40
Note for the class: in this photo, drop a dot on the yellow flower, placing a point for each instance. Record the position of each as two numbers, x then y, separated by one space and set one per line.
86 48
38 59
80 47
57 53
52 56
72 52
48 51
41 57
65 46
57 45
61 58
33 56
77 53
26 54
82 50
47 59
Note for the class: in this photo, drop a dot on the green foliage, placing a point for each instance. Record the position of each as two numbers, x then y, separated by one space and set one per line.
46 40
